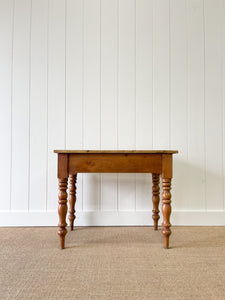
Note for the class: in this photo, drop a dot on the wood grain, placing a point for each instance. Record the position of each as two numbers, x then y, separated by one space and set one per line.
155 199
72 199
166 210
115 163
62 211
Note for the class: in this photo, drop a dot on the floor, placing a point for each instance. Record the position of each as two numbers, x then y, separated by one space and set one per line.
112 263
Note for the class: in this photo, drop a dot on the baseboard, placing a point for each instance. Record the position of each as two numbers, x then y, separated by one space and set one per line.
112 218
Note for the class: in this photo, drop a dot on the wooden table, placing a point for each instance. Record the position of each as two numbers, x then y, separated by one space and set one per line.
89 161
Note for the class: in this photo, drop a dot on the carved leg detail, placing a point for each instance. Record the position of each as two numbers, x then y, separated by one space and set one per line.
62 211
72 199
155 199
166 210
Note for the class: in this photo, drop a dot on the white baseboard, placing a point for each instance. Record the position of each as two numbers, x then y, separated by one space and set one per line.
112 218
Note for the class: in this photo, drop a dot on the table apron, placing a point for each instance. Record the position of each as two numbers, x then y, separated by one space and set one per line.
115 163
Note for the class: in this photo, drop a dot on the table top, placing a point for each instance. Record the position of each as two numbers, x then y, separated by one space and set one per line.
118 151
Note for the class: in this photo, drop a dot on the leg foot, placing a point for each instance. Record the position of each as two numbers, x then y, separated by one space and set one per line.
72 199
155 199
62 242
166 242
166 211
62 211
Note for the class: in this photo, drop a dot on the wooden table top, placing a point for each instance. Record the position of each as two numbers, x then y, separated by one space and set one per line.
118 151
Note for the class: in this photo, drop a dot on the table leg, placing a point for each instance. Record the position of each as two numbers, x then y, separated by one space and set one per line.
155 199
72 199
166 210
62 211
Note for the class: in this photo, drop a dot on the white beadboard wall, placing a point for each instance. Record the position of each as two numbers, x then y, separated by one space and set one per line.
112 74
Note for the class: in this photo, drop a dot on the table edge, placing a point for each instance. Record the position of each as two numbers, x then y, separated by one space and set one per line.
118 151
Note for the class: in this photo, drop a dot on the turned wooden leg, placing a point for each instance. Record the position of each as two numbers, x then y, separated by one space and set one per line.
72 199
166 210
62 210
155 199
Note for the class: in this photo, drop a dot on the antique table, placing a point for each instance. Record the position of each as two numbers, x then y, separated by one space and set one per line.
71 162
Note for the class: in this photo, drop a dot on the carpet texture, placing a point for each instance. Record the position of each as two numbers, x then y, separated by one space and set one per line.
112 263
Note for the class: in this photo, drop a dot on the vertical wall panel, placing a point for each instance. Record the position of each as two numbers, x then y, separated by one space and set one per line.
91 74
213 105
161 75
74 83
74 74
195 164
144 95
179 100
109 73
126 100
126 103
6 40
38 105
109 96
223 86
144 74
91 182
20 105
56 94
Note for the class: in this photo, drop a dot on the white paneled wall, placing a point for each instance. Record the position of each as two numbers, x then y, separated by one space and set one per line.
112 74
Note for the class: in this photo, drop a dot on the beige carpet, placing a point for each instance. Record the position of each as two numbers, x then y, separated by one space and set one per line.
112 263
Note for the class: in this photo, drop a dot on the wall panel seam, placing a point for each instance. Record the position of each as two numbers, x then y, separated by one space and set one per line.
170 73
222 104
65 114
117 100
135 93
29 101
222 100
47 108
100 94
204 113
82 95
12 58
152 72
187 78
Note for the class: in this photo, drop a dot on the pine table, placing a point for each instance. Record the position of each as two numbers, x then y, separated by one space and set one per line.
72 162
